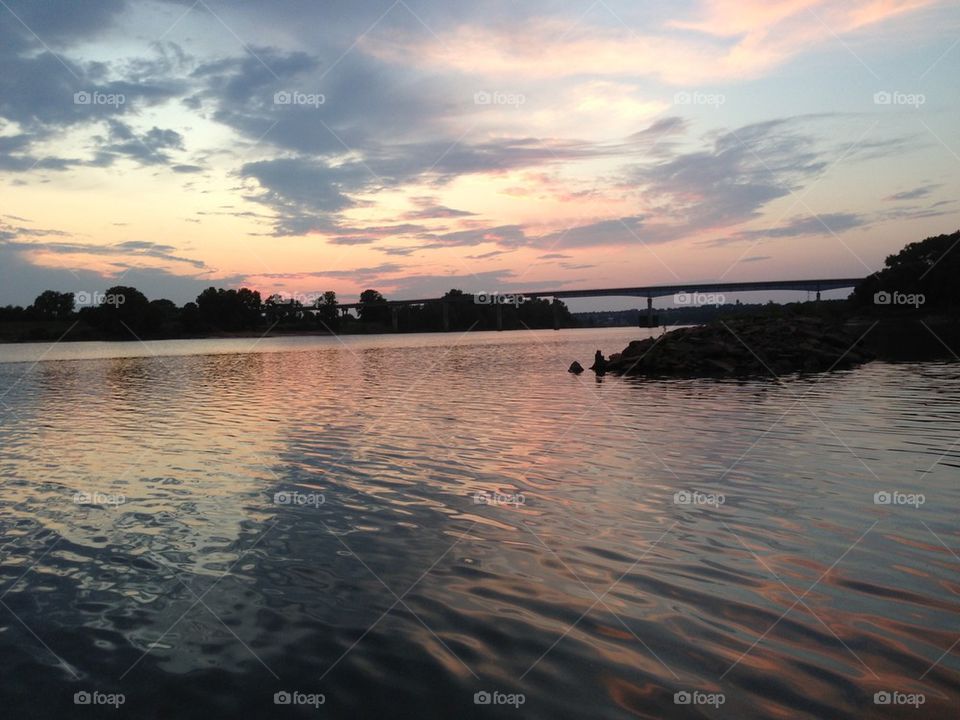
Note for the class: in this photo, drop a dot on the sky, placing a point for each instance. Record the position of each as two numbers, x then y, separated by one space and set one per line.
298 146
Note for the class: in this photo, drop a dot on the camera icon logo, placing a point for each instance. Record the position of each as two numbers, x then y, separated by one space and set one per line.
881 698
882 98
82 698
682 497
282 698
882 298
882 497
82 98
482 698
482 98
282 498
282 97
682 698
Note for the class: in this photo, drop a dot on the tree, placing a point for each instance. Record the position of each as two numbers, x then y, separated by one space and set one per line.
279 310
927 268
190 318
229 309
124 311
53 305
373 307
327 311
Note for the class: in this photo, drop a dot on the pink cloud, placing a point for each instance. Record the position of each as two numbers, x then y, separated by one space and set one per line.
747 38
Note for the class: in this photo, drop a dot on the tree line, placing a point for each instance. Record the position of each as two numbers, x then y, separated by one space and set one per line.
122 311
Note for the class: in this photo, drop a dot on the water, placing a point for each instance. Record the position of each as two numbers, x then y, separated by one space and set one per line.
577 580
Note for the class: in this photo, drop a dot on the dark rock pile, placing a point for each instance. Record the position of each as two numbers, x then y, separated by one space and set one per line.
744 347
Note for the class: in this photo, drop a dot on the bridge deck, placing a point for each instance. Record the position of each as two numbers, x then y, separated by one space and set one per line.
652 291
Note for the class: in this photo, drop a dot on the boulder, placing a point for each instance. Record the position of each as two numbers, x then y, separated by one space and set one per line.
744 346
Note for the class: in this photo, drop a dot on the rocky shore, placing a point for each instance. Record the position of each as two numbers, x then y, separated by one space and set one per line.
744 347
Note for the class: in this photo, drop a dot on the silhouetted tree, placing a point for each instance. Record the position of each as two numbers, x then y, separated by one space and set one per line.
190 318
123 312
930 267
52 305
229 309
374 308
328 315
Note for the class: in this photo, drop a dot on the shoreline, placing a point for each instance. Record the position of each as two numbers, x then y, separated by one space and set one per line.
275 334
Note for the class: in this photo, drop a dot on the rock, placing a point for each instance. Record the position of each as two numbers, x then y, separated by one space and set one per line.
599 364
575 367
765 345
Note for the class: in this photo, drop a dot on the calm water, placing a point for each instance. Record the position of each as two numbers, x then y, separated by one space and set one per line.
398 523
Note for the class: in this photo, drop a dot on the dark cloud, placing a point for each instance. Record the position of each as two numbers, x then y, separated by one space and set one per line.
619 231
128 249
361 274
148 148
914 194
798 226
434 212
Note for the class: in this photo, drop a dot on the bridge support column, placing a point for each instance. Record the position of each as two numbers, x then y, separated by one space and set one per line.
649 311
446 317
556 314
499 316
395 313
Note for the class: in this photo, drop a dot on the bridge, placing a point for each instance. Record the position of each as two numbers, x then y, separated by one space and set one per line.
650 292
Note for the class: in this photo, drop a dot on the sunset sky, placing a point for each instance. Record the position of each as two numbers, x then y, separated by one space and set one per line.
297 146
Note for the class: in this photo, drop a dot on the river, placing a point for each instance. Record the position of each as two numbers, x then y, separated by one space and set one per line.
447 525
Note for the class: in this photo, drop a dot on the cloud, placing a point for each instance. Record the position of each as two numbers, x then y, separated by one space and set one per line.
720 40
799 226
131 250
435 212
913 194
147 148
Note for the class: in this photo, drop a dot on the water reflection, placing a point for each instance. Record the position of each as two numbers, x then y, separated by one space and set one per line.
596 596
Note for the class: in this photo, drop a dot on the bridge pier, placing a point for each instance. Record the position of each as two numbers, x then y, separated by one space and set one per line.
649 311
556 314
